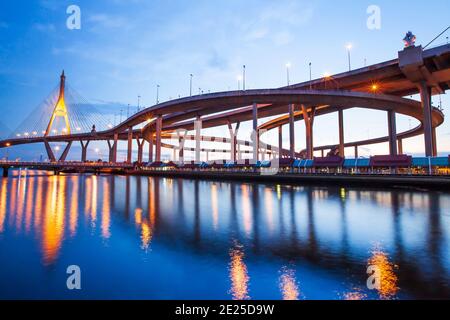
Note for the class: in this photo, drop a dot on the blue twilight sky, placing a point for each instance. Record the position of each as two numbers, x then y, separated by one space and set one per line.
126 47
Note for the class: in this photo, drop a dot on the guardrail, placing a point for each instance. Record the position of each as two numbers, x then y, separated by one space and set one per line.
65 164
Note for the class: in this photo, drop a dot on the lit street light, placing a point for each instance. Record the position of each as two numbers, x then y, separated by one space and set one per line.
157 93
310 75
288 66
243 77
349 48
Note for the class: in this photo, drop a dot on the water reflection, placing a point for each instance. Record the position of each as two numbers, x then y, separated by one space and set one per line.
356 294
288 284
387 285
290 231
238 274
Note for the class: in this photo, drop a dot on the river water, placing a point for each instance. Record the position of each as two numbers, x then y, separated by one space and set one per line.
160 238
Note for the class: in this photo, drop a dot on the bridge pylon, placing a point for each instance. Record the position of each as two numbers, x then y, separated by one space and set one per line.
60 109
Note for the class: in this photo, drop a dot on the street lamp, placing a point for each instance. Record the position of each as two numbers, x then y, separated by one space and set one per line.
288 66
7 150
349 48
157 93
190 85
139 104
243 77
310 75
239 79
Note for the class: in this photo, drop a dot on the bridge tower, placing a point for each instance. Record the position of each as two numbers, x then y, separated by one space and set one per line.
60 109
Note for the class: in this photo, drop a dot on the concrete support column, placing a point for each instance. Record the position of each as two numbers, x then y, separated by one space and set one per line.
130 145
110 151
239 152
50 154
84 147
400 146
341 133
207 156
392 126
280 142
233 138
291 131
150 148
356 152
140 143
309 124
425 96
158 138
114 149
65 152
435 152
255 133
181 149
181 134
198 136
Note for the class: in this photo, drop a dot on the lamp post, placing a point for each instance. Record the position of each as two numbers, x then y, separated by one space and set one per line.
7 151
157 93
243 77
190 84
288 66
310 75
139 103
349 48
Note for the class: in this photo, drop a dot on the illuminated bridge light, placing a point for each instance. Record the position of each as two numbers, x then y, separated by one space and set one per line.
375 87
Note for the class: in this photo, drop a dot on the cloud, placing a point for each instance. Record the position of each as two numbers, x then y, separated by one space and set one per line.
106 21
283 38
52 5
44 27
275 22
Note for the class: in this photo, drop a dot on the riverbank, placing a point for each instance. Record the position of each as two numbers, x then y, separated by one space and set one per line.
412 181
